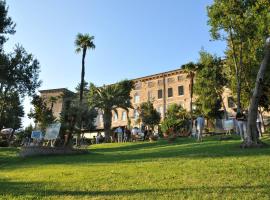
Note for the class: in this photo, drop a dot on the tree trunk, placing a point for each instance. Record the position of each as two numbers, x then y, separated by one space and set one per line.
82 75
224 107
107 123
81 93
252 135
191 92
191 103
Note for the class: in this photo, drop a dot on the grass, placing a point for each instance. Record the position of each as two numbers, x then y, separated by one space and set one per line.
182 170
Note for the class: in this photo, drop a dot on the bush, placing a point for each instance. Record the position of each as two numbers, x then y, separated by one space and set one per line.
4 143
176 121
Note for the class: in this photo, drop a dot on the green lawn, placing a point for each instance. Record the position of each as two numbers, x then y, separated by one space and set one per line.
183 170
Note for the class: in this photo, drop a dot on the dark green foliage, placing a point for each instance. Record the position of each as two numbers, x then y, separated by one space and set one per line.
42 114
177 119
109 98
7 26
75 113
149 115
19 74
244 25
209 84
13 113
75 116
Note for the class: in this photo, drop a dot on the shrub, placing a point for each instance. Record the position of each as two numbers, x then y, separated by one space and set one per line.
176 121
4 143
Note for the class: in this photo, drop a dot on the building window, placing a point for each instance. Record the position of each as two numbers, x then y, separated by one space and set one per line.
180 90
138 86
170 80
170 92
136 98
115 116
160 82
231 102
160 94
150 84
124 116
181 77
150 96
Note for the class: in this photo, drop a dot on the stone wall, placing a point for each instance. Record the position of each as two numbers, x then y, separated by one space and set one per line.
37 151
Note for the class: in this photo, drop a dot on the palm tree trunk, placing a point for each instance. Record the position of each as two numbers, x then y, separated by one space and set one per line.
82 75
190 104
81 93
107 123
252 135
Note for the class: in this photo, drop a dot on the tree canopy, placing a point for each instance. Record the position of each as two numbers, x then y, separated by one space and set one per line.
209 85
108 98
149 115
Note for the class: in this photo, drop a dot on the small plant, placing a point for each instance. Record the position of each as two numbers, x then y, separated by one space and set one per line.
176 121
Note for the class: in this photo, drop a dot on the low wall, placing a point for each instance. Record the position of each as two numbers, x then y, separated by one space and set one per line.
34 151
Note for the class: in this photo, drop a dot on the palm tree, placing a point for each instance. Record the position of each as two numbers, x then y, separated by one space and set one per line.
53 100
190 68
82 43
109 98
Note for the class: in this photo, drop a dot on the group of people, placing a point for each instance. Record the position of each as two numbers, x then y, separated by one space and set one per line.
241 118
126 135
121 135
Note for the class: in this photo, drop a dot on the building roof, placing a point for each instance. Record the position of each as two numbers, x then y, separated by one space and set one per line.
159 75
55 90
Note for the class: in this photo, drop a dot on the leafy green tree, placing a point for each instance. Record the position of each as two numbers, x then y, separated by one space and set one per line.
21 74
76 116
149 115
7 26
177 119
191 68
42 114
83 43
109 98
244 25
209 85
12 117
252 136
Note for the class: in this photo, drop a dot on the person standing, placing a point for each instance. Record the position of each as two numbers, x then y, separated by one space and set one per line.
119 133
259 124
241 124
200 127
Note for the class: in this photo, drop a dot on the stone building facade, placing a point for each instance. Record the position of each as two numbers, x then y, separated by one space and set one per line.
60 101
162 89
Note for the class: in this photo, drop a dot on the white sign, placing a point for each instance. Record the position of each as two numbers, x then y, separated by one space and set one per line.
36 135
52 131
228 124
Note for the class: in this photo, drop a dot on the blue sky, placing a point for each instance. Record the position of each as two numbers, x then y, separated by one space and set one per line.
133 38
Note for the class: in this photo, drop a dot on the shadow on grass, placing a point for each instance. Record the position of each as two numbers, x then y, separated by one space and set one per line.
141 152
38 189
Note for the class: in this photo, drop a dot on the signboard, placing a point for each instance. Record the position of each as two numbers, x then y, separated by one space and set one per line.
228 124
52 131
36 135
